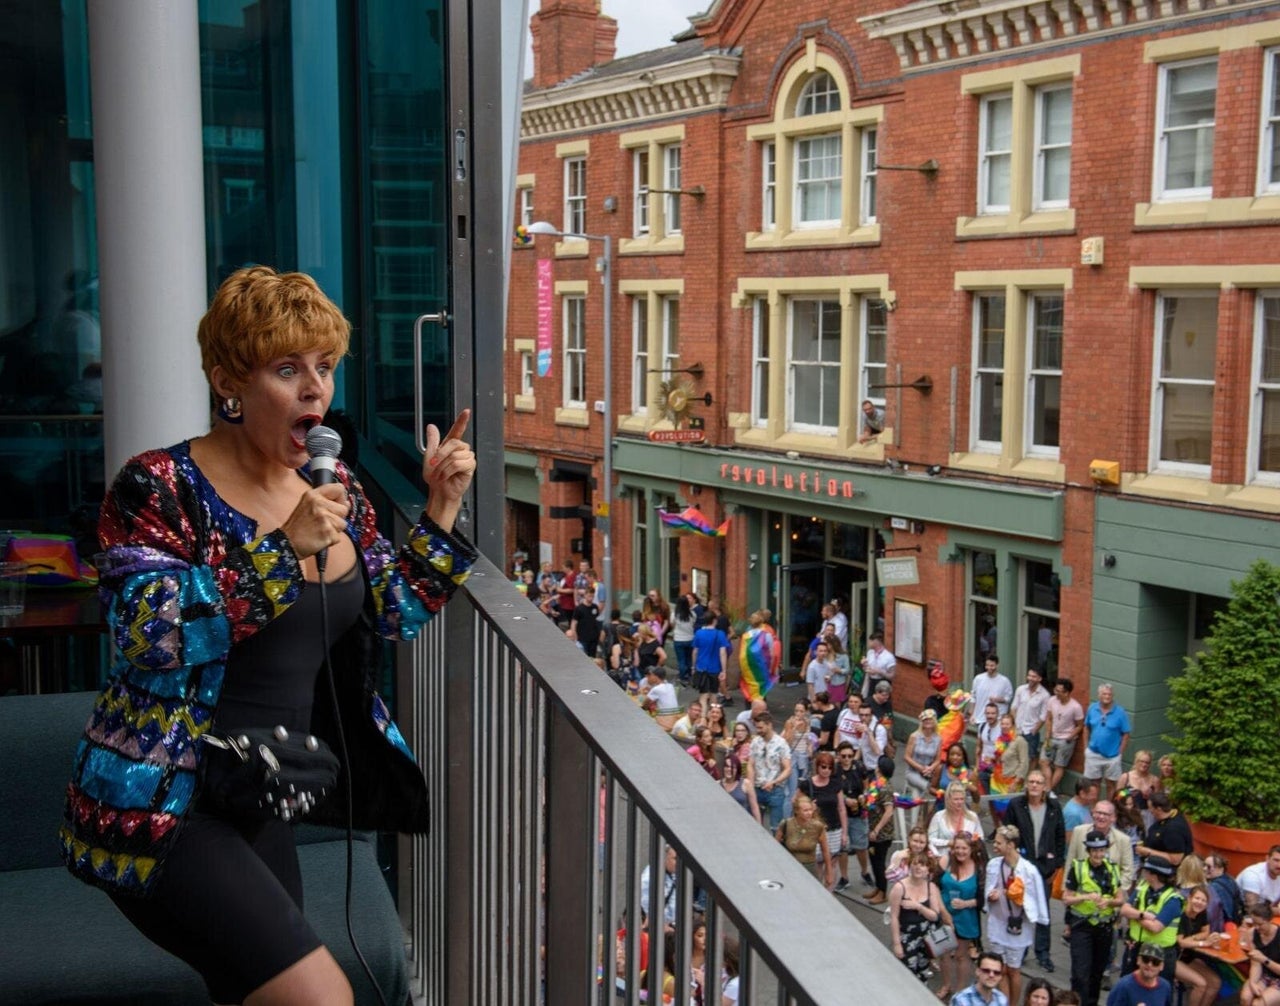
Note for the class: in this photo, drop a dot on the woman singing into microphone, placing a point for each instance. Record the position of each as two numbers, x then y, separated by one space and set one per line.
210 575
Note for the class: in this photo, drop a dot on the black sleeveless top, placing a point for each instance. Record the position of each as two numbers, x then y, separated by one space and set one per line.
271 676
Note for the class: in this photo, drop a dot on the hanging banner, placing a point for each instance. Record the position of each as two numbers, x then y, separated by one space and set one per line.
544 316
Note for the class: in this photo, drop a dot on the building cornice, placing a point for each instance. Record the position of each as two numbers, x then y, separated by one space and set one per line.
938 32
683 88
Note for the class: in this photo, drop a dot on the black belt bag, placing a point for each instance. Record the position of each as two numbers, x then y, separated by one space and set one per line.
264 772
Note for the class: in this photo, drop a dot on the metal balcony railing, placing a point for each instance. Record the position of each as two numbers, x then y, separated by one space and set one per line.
552 794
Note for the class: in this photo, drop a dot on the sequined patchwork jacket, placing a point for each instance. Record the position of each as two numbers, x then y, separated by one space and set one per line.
184 577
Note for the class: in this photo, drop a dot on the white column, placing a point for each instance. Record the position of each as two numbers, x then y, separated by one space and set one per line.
144 59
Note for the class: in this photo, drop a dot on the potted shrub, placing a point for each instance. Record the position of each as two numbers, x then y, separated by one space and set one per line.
1225 707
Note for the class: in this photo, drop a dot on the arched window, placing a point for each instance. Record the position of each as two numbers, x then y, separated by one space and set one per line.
817 159
820 94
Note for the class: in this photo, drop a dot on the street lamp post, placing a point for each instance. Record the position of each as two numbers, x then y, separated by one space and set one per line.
606 276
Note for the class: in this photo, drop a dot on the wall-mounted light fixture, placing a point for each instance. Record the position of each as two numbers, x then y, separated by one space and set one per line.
697 371
924 385
929 168
697 191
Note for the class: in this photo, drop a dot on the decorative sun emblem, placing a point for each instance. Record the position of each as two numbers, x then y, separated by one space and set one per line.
673 402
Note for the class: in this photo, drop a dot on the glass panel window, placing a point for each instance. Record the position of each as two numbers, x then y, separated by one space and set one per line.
769 206
640 355
1264 451
983 582
818 164
867 206
575 353
526 205
639 543
1041 590
1044 376
988 368
671 162
1269 159
995 143
237 194
814 364
1053 147
526 373
820 95
760 362
1186 347
1184 161
875 359
404 273
640 186
575 195
670 336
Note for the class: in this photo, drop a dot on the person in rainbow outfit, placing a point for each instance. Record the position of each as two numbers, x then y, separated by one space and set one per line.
759 656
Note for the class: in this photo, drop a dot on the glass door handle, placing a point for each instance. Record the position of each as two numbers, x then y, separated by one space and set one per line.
441 319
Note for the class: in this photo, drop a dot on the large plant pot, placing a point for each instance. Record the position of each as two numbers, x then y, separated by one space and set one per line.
1239 846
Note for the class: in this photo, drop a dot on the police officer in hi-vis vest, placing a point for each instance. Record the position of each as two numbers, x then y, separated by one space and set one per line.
1153 914
1091 891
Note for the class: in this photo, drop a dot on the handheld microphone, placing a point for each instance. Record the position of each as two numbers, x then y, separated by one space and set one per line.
323 447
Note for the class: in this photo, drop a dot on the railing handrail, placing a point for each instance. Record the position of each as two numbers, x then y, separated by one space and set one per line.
774 902
776 905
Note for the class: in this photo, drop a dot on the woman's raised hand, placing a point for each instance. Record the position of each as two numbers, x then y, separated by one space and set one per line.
447 468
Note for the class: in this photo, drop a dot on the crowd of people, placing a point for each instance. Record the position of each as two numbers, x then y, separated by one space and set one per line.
985 844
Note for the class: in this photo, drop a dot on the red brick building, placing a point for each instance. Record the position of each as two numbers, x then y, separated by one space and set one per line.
1043 238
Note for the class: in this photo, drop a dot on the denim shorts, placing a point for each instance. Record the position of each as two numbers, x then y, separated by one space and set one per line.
858 833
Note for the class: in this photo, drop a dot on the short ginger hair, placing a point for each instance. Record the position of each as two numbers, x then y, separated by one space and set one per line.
259 315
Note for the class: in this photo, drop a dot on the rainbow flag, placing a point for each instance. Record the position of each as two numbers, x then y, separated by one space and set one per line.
759 655
691 519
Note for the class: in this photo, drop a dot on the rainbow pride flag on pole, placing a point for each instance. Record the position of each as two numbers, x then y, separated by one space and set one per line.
759 655
691 519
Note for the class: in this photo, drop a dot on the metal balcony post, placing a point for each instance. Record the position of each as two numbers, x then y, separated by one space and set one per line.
571 858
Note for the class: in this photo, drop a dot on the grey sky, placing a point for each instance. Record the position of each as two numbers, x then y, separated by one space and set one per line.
649 24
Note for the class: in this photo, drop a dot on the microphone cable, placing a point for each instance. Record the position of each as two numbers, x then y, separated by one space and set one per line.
345 760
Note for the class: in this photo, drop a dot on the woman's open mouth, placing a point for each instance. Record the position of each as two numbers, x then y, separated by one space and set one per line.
299 432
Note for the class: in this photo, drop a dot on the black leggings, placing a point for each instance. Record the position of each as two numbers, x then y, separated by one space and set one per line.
229 903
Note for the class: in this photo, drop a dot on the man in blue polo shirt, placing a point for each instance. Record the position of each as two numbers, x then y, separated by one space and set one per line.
710 660
1106 733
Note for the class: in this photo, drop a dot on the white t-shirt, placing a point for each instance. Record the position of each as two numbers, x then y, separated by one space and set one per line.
990 688
840 625
870 758
988 734
663 697
848 728
1064 717
1029 708
880 665
1256 880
